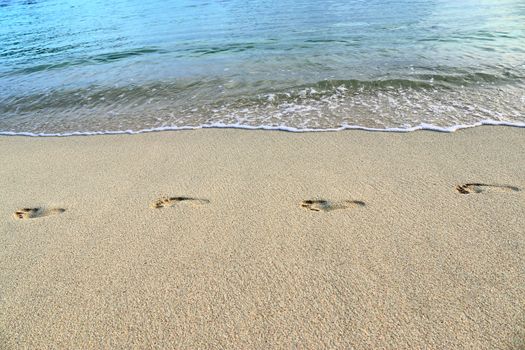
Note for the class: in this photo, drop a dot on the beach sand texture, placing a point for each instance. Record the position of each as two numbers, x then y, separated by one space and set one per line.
238 239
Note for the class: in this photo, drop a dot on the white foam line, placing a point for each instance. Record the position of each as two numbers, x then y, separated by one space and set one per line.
422 126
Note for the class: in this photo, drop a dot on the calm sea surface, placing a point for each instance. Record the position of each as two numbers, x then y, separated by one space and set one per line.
71 66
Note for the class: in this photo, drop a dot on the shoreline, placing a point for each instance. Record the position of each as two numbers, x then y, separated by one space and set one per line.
225 238
421 127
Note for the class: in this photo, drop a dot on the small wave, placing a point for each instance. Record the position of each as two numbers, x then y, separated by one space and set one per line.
428 127
384 105
183 88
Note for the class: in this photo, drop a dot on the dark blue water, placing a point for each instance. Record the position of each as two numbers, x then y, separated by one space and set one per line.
71 66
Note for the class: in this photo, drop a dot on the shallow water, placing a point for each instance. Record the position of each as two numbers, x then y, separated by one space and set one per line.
69 66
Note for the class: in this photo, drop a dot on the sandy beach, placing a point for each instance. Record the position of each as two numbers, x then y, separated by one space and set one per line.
236 239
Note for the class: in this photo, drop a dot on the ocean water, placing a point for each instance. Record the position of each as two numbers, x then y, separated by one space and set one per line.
71 66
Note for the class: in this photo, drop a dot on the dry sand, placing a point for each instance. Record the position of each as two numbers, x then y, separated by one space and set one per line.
221 239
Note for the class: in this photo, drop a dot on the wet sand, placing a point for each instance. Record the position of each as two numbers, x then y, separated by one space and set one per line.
256 239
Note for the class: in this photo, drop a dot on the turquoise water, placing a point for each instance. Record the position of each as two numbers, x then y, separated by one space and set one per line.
70 66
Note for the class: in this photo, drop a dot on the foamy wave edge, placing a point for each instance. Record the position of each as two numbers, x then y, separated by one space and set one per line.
423 126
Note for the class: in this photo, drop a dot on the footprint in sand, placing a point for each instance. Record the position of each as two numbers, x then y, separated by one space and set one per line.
165 202
481 188
327 205
38 212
